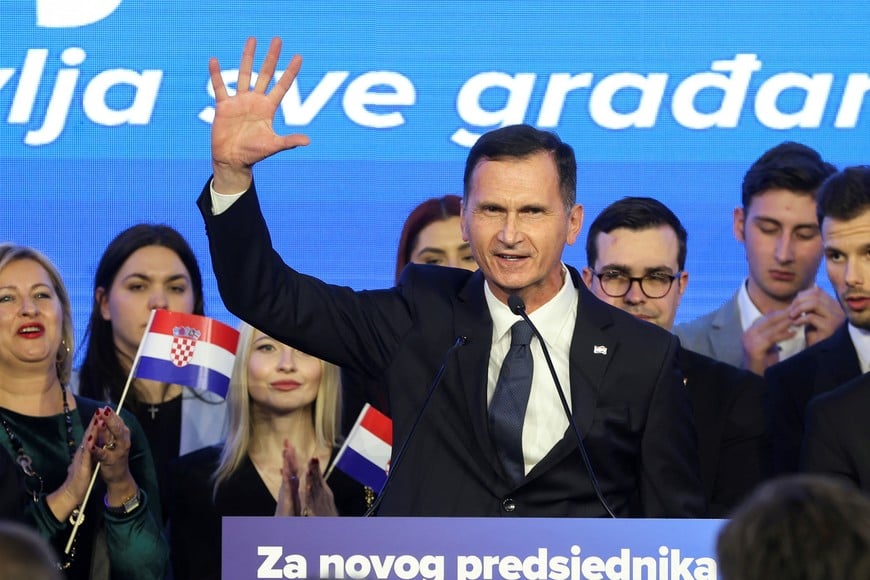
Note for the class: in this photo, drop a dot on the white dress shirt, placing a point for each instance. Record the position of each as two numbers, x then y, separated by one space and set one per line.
545 423
861 340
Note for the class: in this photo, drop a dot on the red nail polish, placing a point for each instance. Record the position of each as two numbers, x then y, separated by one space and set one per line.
90 437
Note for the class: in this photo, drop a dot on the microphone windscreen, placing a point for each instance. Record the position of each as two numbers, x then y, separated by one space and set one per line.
516 304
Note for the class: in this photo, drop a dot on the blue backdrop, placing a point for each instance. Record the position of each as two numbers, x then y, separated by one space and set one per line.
105 110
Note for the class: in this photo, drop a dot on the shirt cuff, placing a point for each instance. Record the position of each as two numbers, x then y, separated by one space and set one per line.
221 202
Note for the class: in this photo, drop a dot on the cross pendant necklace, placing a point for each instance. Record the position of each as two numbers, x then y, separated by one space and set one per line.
153 409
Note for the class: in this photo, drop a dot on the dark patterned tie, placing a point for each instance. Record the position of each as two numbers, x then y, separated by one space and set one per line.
507 410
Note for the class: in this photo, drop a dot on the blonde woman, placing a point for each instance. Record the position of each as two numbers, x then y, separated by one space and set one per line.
57 438
284 412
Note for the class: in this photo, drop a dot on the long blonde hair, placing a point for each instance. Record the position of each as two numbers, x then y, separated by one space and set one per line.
9 253
326 409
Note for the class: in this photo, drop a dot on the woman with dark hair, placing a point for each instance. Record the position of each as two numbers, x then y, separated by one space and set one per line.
57 439
431 235
145 267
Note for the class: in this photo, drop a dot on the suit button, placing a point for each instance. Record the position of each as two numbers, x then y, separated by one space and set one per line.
509 505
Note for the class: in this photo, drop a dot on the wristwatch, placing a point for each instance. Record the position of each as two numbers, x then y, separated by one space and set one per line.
128 506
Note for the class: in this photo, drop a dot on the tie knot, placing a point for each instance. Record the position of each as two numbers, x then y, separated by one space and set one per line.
521 334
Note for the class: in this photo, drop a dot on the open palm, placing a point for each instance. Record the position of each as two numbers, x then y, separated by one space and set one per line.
242 132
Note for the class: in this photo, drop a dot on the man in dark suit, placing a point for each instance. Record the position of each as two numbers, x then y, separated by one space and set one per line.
518 213
636 256
838 432
844 216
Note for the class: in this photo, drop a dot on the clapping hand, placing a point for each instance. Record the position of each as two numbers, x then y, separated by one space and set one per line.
313 499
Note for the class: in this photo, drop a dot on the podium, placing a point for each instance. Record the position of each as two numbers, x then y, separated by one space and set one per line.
469 548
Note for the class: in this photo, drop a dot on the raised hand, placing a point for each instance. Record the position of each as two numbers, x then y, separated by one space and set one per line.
242 132
817 312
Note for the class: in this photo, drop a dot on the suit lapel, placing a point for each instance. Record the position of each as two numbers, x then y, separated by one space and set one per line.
591 351
726 333
473 321
840 361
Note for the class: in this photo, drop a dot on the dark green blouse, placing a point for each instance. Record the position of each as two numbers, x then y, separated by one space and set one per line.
134 544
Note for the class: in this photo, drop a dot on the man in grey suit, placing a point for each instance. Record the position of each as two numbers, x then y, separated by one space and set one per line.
778 311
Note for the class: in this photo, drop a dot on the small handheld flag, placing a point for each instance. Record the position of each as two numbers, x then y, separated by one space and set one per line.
365 455
189 350
183 349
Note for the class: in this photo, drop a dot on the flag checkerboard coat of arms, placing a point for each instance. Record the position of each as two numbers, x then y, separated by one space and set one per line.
183 345
189 350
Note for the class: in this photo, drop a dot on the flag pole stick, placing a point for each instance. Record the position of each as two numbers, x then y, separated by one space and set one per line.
80 517
135 364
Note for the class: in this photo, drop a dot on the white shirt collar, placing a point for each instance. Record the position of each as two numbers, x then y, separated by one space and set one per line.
748 311
548 318
861 341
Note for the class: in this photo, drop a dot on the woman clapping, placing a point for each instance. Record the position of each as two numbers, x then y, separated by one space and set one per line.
58 439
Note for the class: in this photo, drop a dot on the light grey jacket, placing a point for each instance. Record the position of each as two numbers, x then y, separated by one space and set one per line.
718 334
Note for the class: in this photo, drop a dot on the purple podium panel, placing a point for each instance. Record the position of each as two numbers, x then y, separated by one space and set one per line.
469 548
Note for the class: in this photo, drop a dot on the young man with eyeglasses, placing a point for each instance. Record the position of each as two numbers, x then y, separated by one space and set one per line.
636 254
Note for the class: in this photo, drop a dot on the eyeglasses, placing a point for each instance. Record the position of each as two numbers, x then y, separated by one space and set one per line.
616 284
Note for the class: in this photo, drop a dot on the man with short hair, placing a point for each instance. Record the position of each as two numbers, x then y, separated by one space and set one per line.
844 215
636 257
778 311
492 440
801 527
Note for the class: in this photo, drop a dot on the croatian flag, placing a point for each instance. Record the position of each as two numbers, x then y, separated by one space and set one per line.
189 350
365 455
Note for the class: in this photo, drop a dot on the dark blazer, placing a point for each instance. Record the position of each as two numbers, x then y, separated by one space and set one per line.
195 512
837 438
733 440
793 382
628 401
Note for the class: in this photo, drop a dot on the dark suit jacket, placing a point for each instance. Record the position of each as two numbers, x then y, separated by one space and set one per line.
837 439
793 382
733 439
629 403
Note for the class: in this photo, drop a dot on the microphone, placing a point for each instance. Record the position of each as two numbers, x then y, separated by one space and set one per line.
518 307
460 342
